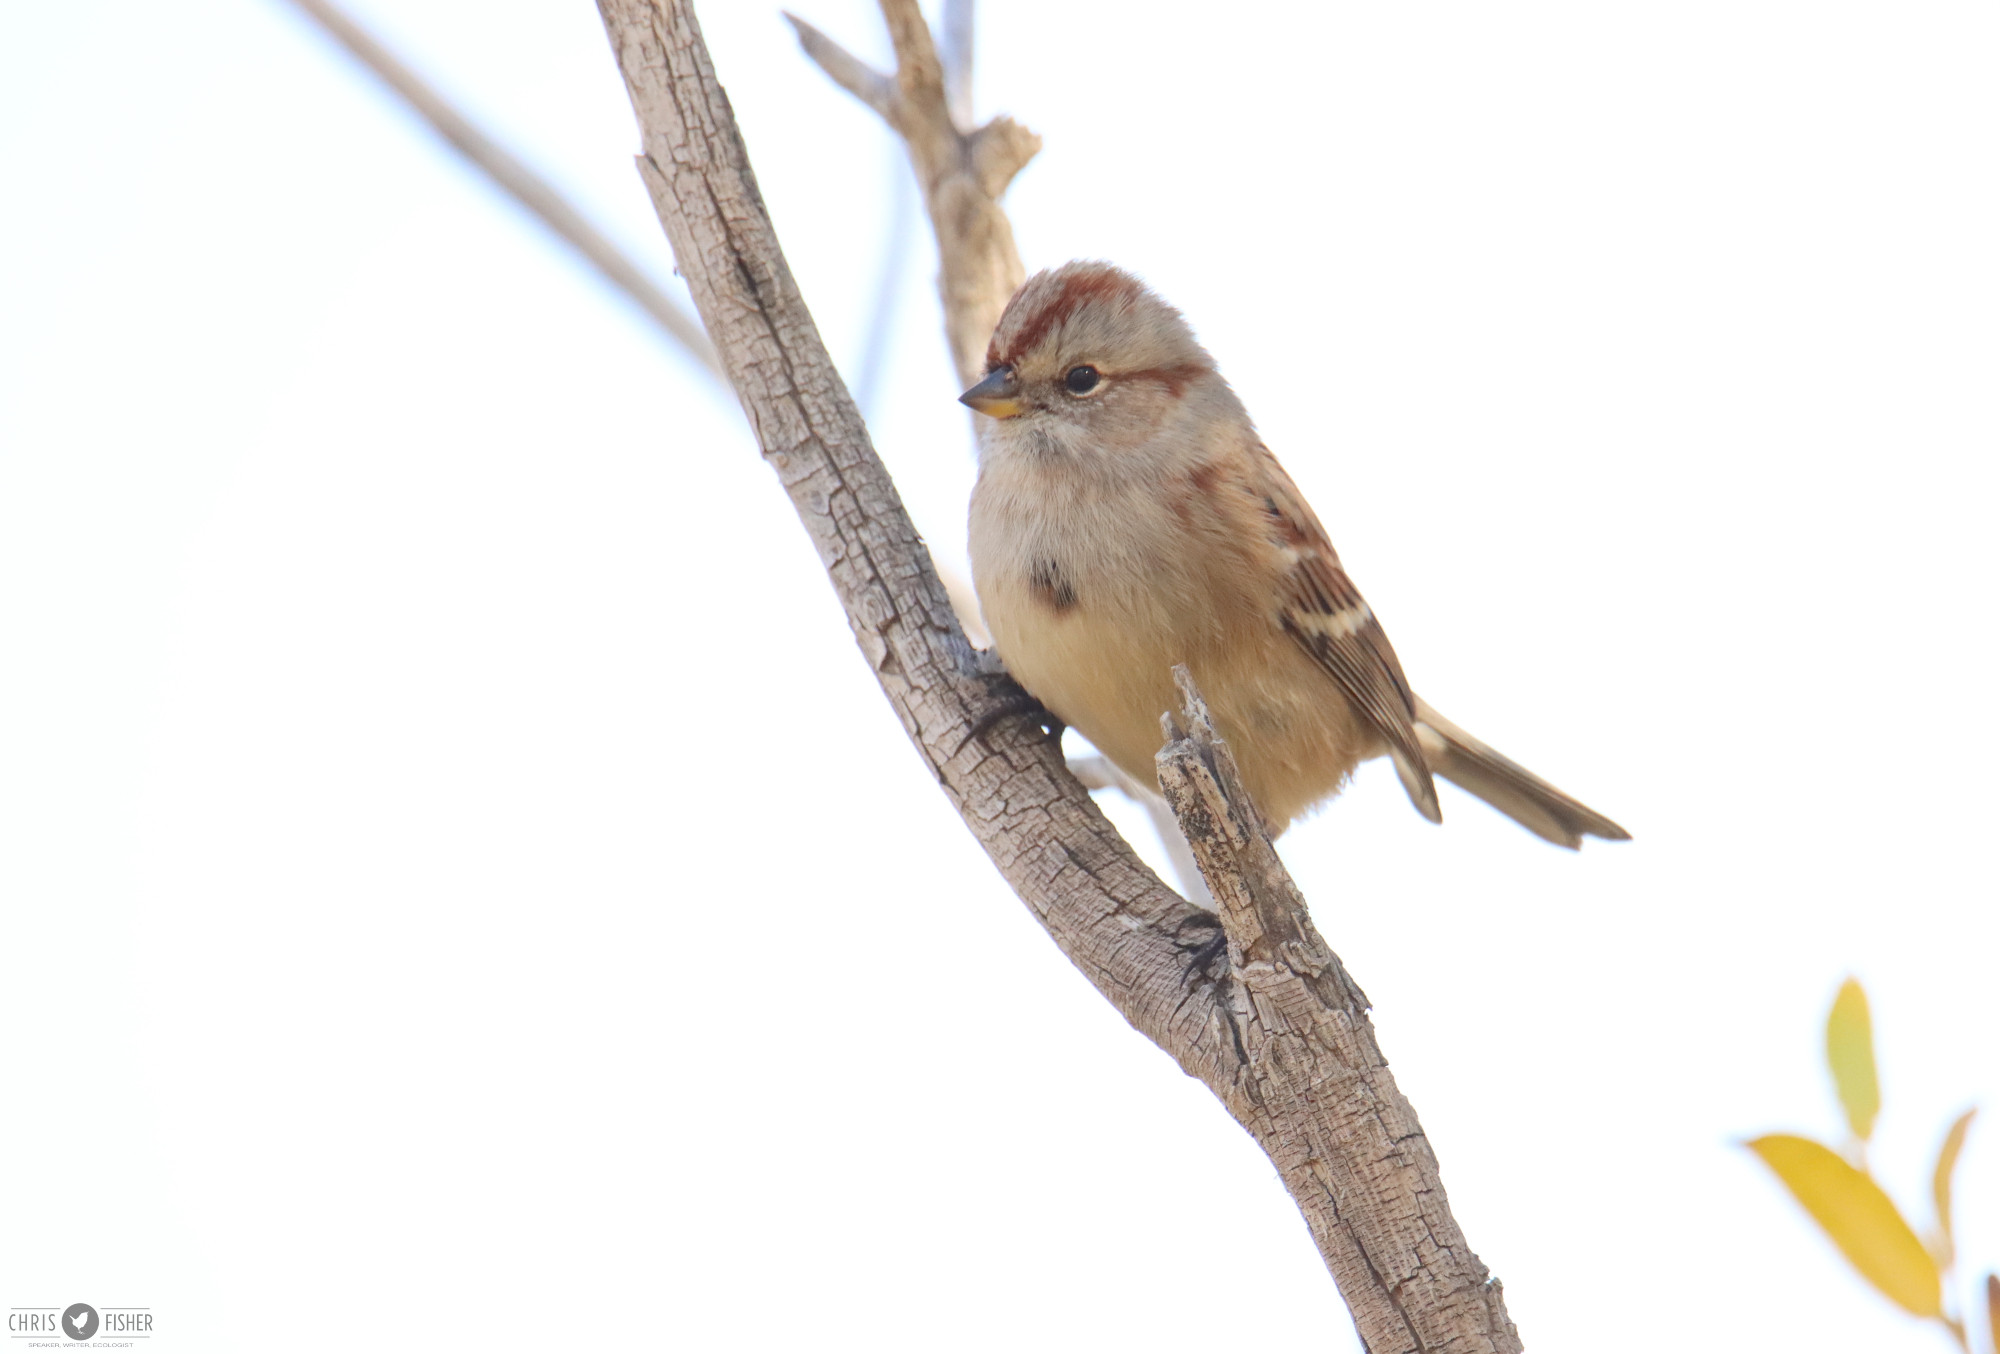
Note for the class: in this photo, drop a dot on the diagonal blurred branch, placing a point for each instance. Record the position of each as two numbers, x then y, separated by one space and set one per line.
874 362
879 92
845 69
1098 772
518 181
962 173
955 54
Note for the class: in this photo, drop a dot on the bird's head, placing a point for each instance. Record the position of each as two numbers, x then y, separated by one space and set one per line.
1087 359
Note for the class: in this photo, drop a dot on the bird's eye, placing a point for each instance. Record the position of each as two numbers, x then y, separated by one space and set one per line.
1081 380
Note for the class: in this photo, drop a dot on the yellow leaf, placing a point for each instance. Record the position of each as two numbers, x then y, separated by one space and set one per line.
1993 1306
1954 1139
1850 1052
1852 1210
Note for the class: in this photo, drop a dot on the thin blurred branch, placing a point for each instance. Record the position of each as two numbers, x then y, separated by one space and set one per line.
1251 1002
962 173
1098 772
518 181
845 69
873 366
955 54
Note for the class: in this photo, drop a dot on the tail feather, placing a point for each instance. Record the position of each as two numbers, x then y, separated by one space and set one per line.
1507 785
1417 781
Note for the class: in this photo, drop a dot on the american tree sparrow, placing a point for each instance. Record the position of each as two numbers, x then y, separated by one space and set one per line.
1127 518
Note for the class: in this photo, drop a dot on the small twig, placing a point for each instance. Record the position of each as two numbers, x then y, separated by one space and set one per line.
845 69
518 181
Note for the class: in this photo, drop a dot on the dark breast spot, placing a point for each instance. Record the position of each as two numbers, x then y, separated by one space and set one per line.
1051 585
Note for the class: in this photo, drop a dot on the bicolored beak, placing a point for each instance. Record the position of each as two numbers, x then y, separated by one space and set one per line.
998 396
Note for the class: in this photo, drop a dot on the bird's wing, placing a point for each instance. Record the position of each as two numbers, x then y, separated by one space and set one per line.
1326 614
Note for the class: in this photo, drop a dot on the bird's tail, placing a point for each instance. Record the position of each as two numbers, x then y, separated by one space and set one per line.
1508 786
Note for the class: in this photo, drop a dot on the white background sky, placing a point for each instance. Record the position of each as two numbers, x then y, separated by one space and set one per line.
414 935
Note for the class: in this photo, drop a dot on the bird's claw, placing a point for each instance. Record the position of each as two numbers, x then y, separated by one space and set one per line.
1008 706
1204 952
1004 699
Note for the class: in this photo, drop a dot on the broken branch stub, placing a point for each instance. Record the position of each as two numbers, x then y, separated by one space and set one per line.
1313 1086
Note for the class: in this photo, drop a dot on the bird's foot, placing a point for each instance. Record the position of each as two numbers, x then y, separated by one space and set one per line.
1005 699
1203 940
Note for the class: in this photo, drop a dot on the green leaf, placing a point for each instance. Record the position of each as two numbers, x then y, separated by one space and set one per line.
1850 1052
1859 1218
1954 1140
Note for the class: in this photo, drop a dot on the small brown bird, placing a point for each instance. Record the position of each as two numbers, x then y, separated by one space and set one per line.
1127 518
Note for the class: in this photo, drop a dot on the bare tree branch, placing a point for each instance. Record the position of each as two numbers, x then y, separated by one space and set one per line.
1253 1004
1187 870
962 174
848 71
1314 1087
516 180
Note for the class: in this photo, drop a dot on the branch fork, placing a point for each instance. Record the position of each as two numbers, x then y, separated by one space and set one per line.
963 172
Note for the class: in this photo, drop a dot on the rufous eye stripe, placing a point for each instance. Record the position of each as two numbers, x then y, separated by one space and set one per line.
1175 379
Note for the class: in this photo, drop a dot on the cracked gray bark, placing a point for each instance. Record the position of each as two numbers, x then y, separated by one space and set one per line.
1312 1083
1278 1033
